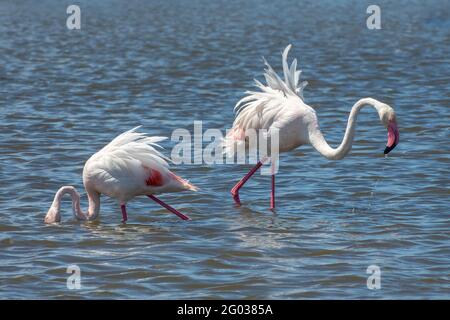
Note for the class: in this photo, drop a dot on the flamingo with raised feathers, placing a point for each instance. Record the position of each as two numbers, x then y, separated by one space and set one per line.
127 167
279 105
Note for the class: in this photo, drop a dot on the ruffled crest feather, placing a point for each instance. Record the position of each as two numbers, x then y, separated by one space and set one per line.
275 85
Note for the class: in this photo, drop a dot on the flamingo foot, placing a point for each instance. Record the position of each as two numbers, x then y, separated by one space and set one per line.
272 194
235 195
272 202
124 213
235 190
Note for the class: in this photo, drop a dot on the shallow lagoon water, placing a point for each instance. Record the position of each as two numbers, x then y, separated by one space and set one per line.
64 94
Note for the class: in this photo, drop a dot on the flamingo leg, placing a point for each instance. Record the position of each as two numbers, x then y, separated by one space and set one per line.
235 190
165 205
124 213
272 194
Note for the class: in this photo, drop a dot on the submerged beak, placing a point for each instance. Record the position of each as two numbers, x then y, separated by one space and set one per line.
393 137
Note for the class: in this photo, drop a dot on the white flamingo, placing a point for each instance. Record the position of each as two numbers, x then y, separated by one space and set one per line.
280 105
127 167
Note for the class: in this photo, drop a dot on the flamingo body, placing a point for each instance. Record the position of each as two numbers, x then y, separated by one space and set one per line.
129 166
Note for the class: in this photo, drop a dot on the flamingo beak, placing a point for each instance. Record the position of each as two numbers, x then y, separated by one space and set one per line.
393 137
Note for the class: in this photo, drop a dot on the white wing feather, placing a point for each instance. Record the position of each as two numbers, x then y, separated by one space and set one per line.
121 162
259 109
132 145
276 89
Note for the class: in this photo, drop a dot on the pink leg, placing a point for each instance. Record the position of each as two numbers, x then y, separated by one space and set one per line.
124 213
178 213
235 190
272 194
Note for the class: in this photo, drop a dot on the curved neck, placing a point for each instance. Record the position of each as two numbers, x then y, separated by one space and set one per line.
93 198
319 143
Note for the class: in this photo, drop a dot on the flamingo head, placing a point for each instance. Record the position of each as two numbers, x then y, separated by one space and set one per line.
388 118
53 215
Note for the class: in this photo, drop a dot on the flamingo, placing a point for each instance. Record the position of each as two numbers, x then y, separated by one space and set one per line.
279 105
127 167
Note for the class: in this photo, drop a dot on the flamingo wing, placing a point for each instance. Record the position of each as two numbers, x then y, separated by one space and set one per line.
130 165
273 106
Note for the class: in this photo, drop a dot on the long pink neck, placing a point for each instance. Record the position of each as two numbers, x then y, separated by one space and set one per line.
93 198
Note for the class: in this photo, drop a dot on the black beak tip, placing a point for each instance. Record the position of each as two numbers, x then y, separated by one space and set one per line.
389 149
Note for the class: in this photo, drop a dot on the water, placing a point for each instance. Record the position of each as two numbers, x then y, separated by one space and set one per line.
64 94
